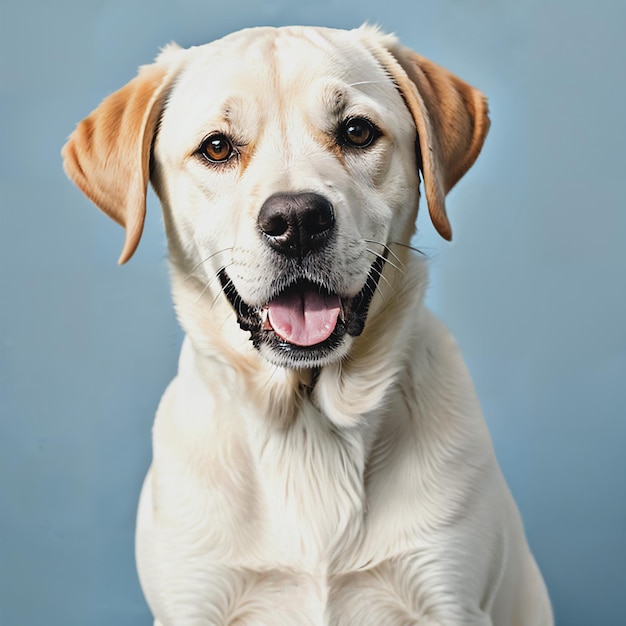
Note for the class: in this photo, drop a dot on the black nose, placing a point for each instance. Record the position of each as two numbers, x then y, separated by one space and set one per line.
296 223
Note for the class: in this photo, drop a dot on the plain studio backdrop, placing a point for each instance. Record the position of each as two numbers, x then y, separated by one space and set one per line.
533 287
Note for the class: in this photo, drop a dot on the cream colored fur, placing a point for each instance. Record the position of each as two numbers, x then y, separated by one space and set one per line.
357 488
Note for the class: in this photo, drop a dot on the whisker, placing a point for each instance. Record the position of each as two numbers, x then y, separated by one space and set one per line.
367 82
378 290
217 297
205 288
406 245
379 273
197 265
213 279
387 249
380 256
381 277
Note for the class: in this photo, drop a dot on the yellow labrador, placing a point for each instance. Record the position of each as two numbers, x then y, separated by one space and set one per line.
321 457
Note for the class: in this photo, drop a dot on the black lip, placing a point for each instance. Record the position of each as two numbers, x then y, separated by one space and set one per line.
361 302
249 319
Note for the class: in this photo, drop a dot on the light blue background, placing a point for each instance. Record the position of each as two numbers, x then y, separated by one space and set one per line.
533 287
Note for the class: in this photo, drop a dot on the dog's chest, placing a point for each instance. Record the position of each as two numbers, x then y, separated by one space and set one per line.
275 533
256 493
269 522
313 495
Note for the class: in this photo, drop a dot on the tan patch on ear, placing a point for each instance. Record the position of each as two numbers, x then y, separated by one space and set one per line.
451 118
108 155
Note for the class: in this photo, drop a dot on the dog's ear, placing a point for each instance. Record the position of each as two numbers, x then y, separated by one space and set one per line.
451 118
108 155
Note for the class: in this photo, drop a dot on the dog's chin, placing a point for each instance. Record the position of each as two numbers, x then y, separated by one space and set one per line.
285 354
304 325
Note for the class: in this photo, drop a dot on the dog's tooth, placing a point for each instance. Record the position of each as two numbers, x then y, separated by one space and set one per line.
342 313
265 322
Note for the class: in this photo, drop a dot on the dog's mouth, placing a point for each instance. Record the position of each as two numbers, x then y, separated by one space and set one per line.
304 315
304 324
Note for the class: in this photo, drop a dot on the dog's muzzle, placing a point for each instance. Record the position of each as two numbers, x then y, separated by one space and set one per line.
302 324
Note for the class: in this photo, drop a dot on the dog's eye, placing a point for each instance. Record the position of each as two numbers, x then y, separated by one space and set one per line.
217 148
358 132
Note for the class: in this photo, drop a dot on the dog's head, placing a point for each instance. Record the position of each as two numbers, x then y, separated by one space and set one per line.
287 162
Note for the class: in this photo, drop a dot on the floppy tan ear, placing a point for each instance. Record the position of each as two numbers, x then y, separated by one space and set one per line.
108 155
451 118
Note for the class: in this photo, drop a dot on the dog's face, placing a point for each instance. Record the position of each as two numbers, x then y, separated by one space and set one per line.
287 164
287 175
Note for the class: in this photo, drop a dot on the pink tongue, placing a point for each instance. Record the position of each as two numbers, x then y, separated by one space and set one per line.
304 319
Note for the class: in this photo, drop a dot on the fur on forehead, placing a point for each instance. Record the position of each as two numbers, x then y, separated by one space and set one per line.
366 33
344 60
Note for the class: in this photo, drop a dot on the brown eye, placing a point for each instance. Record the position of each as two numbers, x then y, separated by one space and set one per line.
358 132
217 148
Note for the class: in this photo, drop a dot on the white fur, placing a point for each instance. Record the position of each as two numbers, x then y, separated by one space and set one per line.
374 497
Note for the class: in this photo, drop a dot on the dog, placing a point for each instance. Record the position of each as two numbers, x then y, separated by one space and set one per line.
320 457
